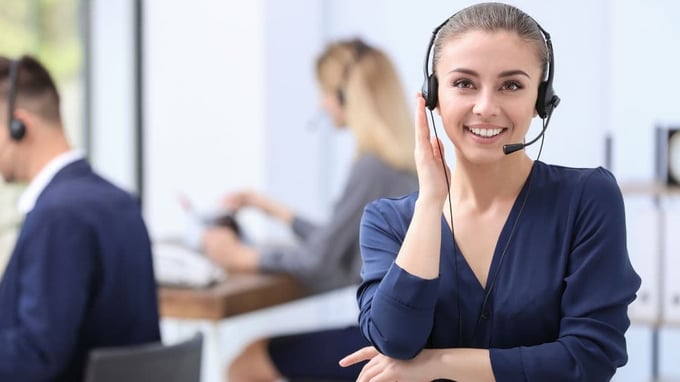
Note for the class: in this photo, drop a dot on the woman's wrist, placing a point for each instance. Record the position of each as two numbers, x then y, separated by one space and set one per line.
429 205
244 259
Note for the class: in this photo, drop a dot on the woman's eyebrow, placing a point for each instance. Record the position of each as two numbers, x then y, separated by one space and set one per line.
507 73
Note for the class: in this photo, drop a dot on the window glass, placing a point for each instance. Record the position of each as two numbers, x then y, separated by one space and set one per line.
50 30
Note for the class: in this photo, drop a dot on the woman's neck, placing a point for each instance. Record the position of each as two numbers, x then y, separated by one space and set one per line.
483 185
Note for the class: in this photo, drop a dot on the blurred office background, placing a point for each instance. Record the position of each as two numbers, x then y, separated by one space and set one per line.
201 97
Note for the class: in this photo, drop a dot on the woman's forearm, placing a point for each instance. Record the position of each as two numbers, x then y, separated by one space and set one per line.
419 255
463 365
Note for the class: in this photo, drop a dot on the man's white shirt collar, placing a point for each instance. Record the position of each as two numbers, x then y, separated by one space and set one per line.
44 177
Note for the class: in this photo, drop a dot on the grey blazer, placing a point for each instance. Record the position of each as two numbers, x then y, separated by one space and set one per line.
328 256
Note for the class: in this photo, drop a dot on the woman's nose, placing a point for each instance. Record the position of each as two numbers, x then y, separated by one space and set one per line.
486 104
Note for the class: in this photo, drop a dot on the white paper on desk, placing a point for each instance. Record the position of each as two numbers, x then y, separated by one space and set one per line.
177 265
196 224
193 234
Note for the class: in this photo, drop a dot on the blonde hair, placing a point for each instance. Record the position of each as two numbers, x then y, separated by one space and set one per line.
374 102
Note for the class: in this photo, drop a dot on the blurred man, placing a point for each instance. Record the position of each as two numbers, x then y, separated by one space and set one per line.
80 276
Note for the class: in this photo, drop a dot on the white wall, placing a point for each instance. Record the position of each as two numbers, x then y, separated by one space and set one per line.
112 98
644 80
204 97
297 135
229 102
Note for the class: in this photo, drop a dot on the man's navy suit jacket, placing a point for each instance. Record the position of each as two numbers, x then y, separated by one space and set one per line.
80 277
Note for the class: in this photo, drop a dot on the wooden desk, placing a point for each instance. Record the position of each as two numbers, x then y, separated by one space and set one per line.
239 293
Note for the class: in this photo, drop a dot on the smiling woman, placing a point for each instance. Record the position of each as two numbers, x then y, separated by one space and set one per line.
51 31
450 271
478 77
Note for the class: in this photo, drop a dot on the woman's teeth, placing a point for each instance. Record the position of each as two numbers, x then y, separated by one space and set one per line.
486 133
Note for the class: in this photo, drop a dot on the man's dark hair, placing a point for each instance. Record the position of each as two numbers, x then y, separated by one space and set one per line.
35 89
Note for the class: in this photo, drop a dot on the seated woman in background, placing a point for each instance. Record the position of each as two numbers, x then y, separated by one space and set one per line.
360 90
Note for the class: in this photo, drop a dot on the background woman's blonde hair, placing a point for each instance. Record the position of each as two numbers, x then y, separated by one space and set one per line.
373 98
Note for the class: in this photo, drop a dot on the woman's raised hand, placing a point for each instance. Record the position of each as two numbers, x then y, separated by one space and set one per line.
429 157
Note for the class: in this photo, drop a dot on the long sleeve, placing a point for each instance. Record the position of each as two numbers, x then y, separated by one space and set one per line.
80 277
302 227
599 285
329 255
558 311
391 299
54 293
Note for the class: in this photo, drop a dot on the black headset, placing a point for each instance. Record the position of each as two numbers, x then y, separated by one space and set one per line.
546 101
17 129
359 49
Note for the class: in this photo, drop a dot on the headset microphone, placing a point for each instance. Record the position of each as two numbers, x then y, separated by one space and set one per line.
511 148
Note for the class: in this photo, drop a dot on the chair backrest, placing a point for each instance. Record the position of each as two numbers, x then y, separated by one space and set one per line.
154 362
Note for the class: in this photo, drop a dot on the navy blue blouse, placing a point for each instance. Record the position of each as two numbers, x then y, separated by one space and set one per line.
556 300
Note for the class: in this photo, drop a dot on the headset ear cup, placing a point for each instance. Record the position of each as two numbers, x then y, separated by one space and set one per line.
17 130
542 100
430 90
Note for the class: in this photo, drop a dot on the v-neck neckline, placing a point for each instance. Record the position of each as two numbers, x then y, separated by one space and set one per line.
499 250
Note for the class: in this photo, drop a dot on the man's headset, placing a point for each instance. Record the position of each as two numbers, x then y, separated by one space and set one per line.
359 49
546 101
17 129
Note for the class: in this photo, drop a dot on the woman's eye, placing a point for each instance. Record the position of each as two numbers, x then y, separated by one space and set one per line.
463 84
511 85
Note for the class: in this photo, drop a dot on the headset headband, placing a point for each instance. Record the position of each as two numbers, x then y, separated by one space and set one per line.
546 100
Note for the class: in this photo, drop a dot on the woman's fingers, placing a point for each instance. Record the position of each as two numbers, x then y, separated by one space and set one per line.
362 354
370 369
422 128
437 148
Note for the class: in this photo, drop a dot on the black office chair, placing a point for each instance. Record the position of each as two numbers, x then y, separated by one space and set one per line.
155 362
